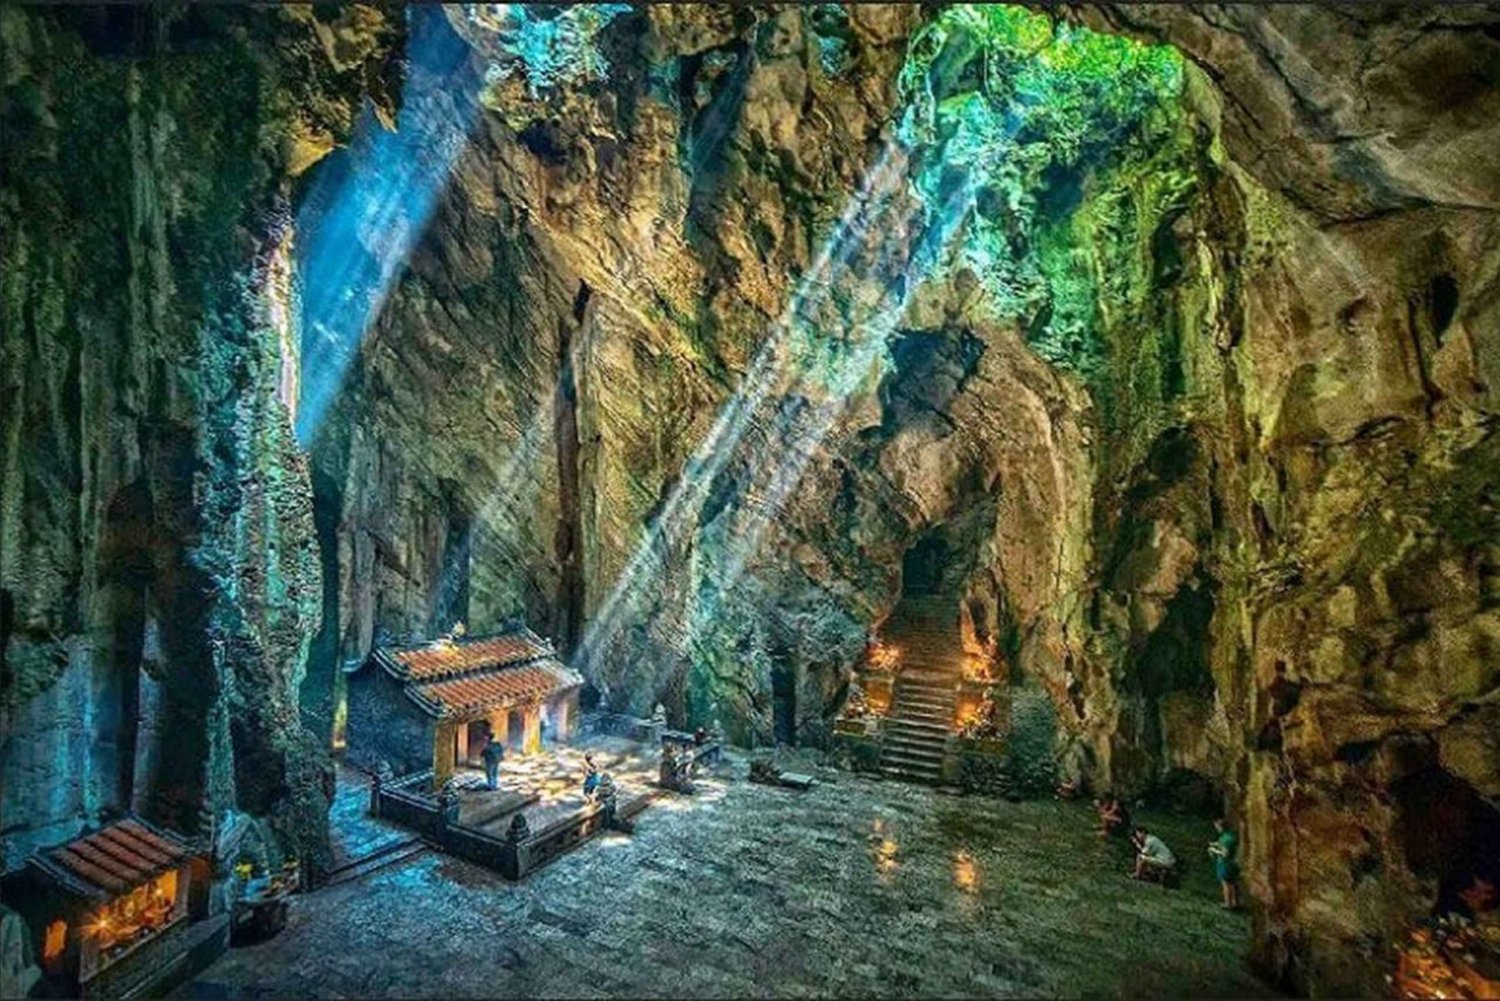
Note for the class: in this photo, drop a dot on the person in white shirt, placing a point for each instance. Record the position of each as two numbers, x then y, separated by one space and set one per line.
1153 860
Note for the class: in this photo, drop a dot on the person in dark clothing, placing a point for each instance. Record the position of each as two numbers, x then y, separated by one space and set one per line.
493 754
590 778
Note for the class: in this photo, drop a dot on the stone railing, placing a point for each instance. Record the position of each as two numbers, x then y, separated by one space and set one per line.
567 833
606 724
407 802
517 854
404 801
687 747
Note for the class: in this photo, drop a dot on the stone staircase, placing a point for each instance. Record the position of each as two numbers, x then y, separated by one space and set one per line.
362 843
925 631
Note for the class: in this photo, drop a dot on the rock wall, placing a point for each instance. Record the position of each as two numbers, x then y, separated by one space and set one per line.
1319 536
1169 520
1197 396
159 568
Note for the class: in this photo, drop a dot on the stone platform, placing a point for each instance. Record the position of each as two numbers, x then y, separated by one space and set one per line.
555 777
856 887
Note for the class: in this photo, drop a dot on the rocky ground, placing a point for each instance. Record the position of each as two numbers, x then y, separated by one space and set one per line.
857 888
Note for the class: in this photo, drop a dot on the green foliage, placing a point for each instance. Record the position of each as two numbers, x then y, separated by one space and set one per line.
1076 144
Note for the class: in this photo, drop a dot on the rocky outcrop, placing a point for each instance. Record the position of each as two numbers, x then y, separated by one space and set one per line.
1314 541
726 324
159 566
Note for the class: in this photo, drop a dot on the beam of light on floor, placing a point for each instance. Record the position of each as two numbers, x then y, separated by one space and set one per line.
367 210
766 371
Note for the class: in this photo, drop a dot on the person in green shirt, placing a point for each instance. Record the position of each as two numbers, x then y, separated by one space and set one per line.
1225 852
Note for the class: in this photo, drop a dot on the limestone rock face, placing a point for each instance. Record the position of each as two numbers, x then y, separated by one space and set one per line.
159 568
1330 524
1214 558
656 377
1349 112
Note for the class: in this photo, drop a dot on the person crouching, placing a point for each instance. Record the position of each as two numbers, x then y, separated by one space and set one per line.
1154 861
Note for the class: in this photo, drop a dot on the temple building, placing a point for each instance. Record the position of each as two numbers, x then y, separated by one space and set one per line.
435 705
110 909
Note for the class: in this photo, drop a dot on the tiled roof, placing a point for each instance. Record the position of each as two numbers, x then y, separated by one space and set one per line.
445 658
482 691
469 677
113 860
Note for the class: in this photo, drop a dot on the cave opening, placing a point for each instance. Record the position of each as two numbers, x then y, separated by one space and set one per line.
1449 834
924 566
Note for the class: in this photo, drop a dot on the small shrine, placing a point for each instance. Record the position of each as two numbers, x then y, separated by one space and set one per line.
435 705
105 900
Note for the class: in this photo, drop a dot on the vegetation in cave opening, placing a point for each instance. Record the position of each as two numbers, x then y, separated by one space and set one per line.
1078 144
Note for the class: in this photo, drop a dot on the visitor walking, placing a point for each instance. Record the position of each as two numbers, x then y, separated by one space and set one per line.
493 754
1225 852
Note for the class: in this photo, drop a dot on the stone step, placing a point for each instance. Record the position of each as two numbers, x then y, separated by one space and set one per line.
926 699
932 726
923 729
917 738
387 854
923 710
934 697
926 690
920 644
911 774
931 679
925 742
929 715
913 753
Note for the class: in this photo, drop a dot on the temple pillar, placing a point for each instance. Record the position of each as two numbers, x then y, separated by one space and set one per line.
565 714
531 733
461 746
444 743
500 725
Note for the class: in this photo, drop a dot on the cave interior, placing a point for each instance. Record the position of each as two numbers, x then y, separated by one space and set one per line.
970 411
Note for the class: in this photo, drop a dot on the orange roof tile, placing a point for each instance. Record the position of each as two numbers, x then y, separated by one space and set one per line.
114 859
473 694
448 657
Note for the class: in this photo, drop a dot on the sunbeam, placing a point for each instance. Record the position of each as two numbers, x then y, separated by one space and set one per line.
765 372
367 210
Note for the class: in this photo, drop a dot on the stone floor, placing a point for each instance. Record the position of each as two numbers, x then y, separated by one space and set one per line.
858 887
354 833
556 779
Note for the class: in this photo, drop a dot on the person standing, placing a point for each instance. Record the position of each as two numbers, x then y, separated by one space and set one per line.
1225 852
493 754
590 778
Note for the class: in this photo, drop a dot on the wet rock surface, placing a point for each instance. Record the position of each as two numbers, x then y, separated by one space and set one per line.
159 569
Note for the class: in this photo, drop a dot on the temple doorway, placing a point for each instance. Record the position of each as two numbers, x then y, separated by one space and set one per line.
477 734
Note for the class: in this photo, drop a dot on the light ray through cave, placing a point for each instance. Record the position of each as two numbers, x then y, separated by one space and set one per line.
796 430
766 371
365 214
804 429
514 484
